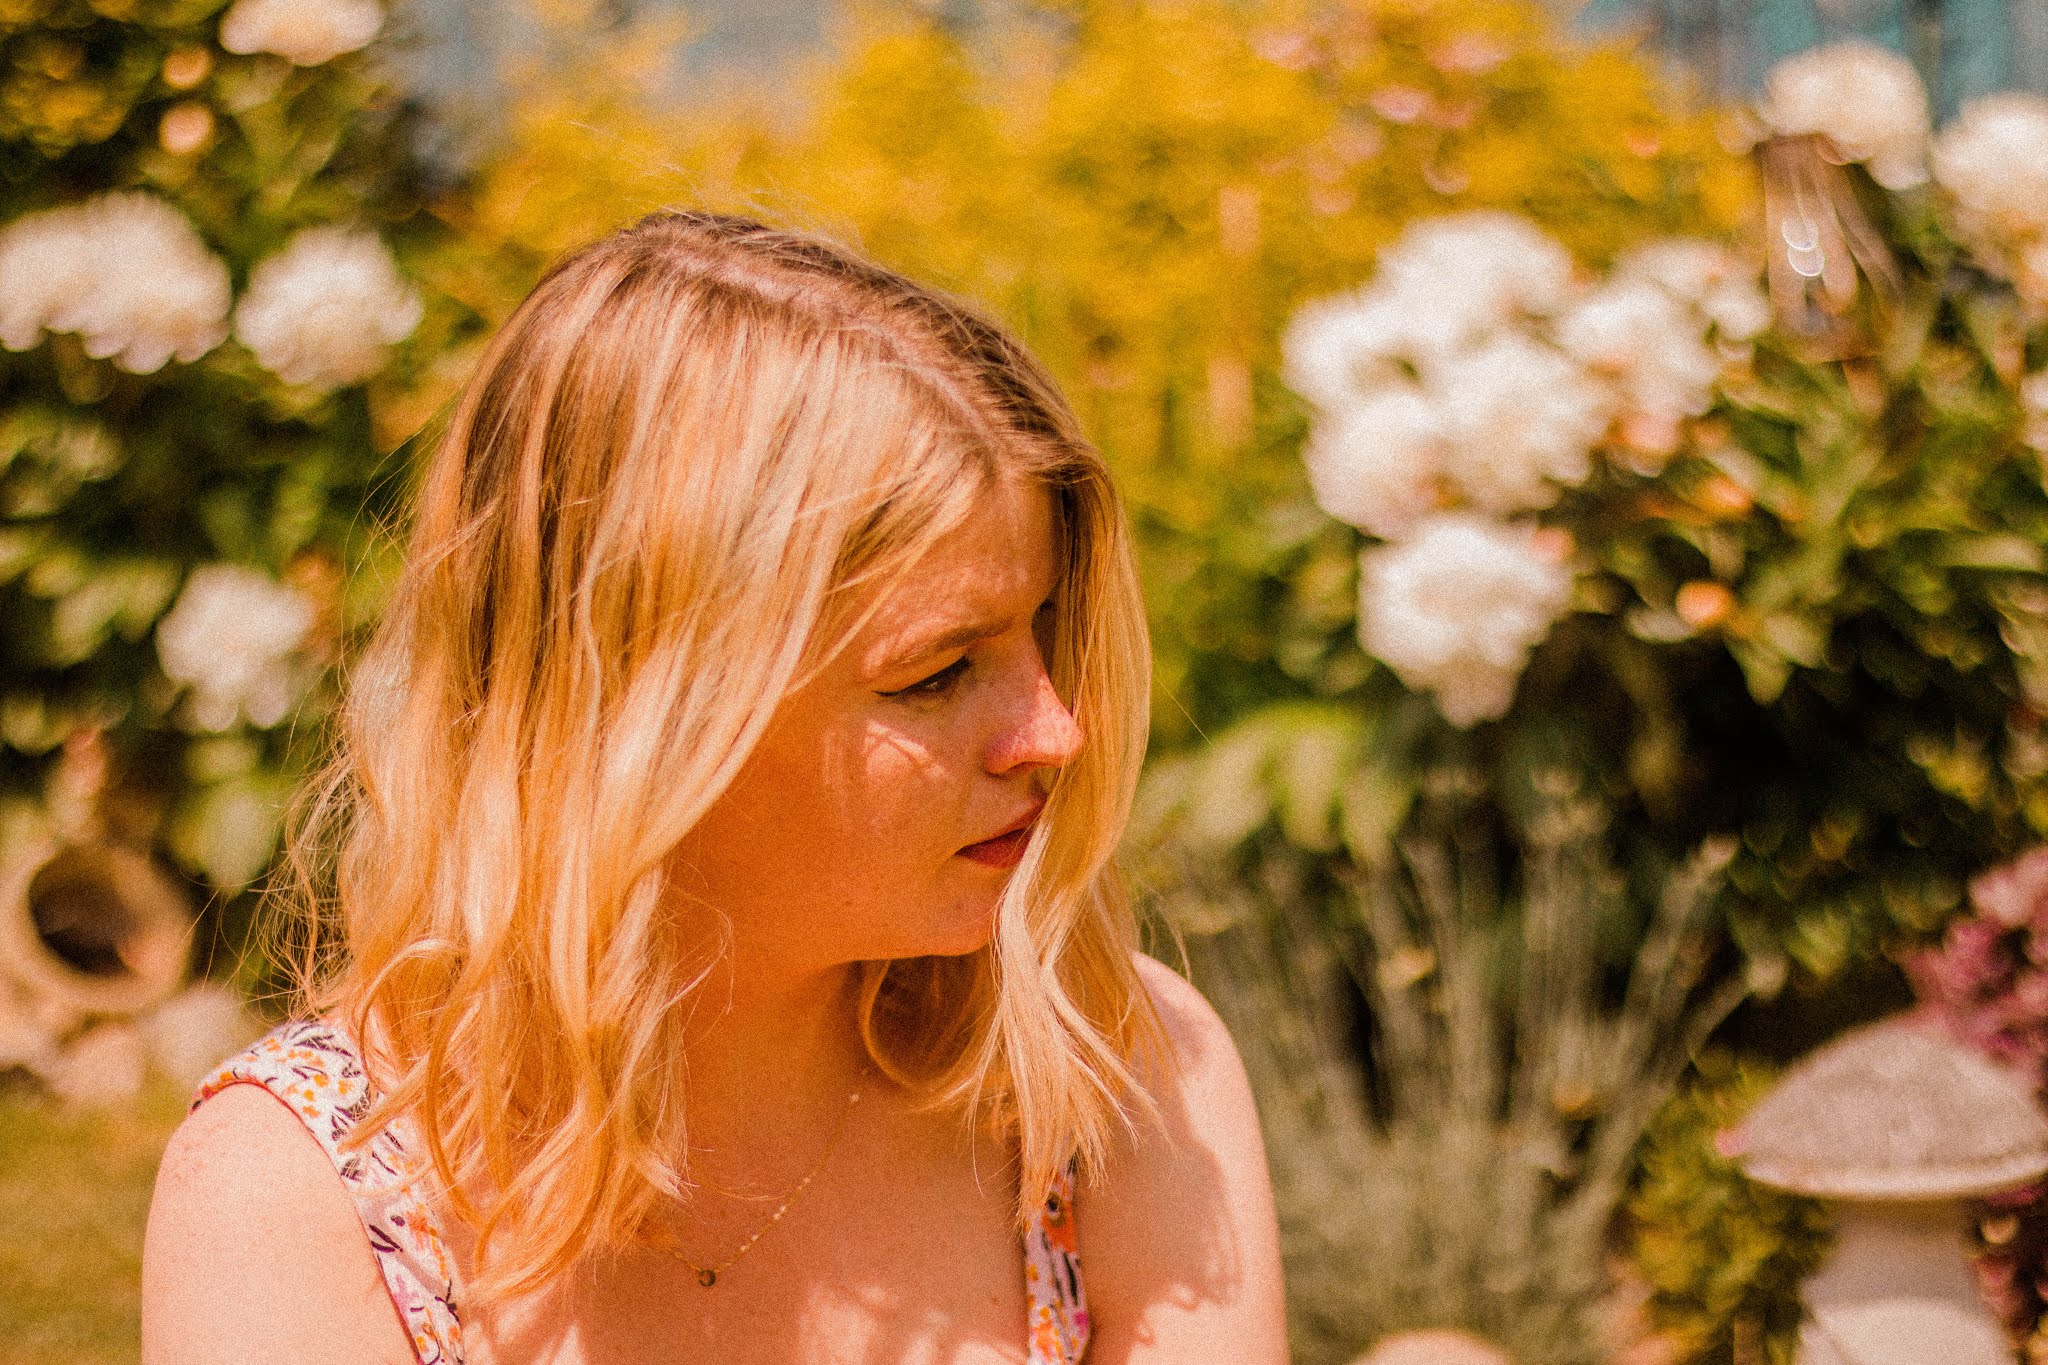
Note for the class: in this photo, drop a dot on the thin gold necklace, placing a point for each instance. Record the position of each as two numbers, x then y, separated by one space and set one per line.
707 1275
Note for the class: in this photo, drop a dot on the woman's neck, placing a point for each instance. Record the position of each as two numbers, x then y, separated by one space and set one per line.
769 1063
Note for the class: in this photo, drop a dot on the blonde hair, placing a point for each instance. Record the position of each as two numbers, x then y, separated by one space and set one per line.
678 465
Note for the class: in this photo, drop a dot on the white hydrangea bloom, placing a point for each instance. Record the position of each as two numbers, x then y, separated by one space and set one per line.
1866 99
125 271
1993 160
1464 274
1456 608
46 267
1378 462
1339 348
234 637
1706 275
323 311
1475 370
1520 418
1443 284
304 32
1650 343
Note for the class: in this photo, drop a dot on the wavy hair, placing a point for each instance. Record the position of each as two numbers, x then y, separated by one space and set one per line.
678 465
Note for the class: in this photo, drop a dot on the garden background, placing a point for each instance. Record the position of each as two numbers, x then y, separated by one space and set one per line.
1585 462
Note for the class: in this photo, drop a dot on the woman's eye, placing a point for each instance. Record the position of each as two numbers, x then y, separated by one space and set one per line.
937 685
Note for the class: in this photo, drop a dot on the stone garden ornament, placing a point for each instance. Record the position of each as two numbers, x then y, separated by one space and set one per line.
1895 1127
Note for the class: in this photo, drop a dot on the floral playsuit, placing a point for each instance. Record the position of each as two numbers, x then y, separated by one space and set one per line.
311 1067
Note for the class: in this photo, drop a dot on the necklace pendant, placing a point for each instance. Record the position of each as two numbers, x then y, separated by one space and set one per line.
707 1278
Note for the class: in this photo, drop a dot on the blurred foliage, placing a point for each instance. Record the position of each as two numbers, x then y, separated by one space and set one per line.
1722 1255
1862 706
114 485
1469 1177
1868 711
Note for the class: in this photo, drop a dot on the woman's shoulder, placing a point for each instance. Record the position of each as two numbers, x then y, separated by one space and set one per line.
1178 1235
256 1248
1200 1085
1191 1022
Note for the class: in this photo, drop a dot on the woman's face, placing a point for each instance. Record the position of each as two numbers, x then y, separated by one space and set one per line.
889 800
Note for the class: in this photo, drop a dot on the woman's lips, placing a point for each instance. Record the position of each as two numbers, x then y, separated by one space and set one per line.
1005 850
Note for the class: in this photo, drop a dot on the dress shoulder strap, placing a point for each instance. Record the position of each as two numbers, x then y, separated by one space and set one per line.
313 1068
1052 1279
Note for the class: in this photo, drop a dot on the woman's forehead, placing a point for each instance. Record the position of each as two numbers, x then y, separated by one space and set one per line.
977 580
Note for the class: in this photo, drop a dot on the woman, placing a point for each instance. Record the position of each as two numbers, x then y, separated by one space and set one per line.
732 969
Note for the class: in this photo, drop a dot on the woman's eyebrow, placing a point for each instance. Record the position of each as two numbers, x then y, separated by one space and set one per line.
957 637
954 637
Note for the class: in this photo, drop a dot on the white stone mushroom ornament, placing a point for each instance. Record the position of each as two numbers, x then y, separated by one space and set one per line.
1895 1126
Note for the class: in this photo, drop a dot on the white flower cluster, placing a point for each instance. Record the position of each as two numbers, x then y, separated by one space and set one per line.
304 32
125 271
234 637
1866 99
1993 162
129 274
1457 607
323 311
1661 328
1471 380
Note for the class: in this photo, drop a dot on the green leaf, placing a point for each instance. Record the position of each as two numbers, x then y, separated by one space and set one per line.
1374 805
1315 752
228 831
1910 322
1764 670
1231 797
2012 554
1798 638
19 548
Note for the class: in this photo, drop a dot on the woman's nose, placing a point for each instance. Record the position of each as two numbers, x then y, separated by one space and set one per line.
1044 735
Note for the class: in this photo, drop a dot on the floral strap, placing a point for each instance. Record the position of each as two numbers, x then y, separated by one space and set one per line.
1052 1279
313 1069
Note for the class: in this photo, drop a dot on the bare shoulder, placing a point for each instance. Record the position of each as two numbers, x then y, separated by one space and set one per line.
1192 1024
1178 1242
254 1250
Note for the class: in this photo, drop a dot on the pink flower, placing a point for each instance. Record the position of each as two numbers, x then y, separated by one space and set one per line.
2030 996
1998 1282
1400 103
1974 962
2014 893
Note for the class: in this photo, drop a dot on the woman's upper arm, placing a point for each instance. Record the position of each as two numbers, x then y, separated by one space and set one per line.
254 1251
1179 1247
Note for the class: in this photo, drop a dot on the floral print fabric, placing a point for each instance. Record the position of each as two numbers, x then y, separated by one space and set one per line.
1052 1279
311 1066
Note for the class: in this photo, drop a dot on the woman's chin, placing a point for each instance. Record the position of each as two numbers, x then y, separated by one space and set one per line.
967 928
